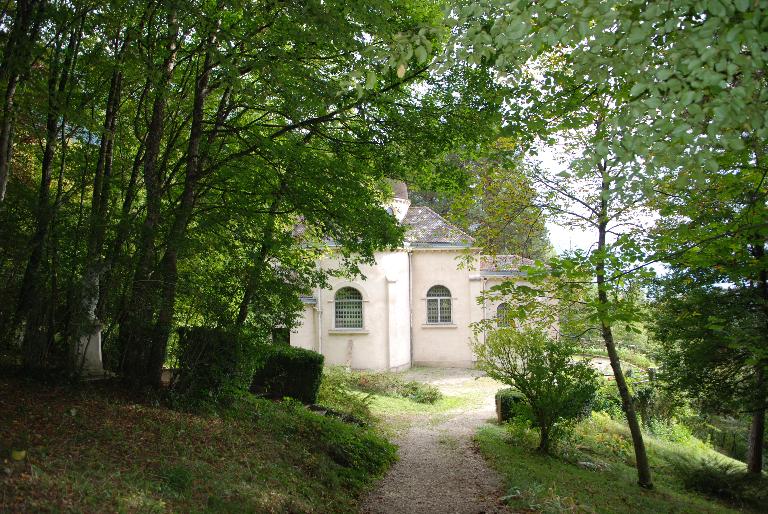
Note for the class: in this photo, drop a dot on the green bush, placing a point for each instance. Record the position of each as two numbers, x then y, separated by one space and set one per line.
508 403
607 400
288 371
392 384
557 389
670 430
215 365
335 393
725 481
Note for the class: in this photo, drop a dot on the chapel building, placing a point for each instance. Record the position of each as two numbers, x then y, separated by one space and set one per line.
414 306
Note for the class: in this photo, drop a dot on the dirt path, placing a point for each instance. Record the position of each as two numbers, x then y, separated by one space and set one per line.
440 469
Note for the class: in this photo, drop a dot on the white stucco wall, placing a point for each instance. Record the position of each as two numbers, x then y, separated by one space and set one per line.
383 342
395 333
443 345
305 335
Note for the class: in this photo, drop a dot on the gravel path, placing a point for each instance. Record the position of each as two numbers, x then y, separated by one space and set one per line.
440 469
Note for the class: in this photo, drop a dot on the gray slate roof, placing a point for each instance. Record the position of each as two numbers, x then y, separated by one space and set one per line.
502 263
425 227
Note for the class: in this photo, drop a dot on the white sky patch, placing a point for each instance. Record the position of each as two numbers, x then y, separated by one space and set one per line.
562 237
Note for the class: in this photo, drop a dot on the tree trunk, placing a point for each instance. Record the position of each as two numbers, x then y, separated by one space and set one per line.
757 431
543 440
757 427
168 268
137 327
254 274
85 309
30 307
641 457
16 61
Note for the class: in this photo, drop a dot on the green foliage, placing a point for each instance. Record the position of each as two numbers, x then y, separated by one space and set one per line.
670 430
389 384
508 402
496 203
607 400
336 393
215 365
282 371
725 481
556 389
710 344
199 182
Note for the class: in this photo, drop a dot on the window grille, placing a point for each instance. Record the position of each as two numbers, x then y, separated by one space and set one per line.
502 315
349 308
439 305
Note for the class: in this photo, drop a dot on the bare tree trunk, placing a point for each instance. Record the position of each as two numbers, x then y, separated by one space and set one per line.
16 61
641 457
194 171
85 318
543 440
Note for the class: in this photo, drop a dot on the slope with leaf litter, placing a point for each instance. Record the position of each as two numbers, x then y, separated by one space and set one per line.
94 448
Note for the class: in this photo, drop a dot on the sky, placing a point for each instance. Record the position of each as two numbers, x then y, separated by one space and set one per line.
562 238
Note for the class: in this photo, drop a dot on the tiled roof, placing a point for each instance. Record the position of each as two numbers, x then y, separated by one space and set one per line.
424 227
501 263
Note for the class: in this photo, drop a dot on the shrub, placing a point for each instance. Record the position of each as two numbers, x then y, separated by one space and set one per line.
288 371
420 392
723 480
670 430
607 400
215 365
556 388
392 384
335 393
508 403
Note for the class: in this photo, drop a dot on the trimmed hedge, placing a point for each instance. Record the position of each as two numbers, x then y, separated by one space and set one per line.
288 371
508 402
215 364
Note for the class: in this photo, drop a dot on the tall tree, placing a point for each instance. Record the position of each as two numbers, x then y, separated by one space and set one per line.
26 17
194 171
713 235
692 75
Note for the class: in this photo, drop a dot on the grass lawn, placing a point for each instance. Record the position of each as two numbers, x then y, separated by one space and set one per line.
92 448
557 484
401 413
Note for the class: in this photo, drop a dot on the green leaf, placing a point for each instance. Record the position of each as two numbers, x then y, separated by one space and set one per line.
421 54
370 79
637 90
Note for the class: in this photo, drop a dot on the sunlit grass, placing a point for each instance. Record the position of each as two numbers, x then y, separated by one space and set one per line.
560 484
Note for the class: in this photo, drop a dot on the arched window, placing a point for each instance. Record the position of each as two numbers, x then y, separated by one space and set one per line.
348 305
502 315
439 305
